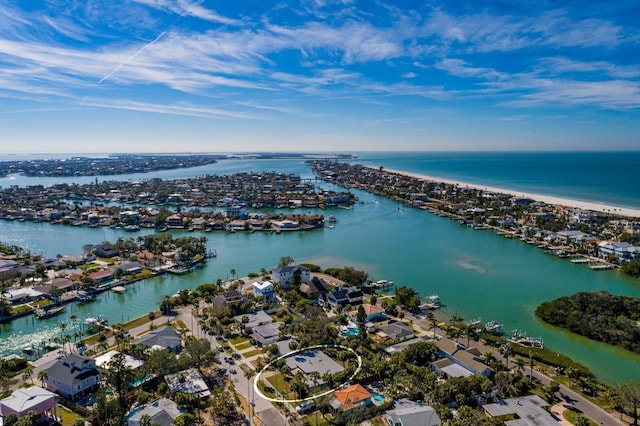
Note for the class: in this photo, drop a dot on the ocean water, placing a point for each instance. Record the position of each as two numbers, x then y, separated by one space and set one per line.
476 273
605 177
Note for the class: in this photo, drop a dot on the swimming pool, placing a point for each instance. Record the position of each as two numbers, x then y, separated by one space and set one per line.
377 398
349 332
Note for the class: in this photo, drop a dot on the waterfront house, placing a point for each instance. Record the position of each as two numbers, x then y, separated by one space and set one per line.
521 411
165 337
284 275
236 212
264 289
623 252
188 381
174 222
351 397
162 412
23 401
314 289
73 377
411 413
344 296
102 276
130 268
106 250
17 295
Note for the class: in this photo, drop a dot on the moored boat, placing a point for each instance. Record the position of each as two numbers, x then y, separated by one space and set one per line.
48 313
433 302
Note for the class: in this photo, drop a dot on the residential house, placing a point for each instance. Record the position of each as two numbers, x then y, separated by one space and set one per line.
130 268
189 381
351 397
374 313
285 274
162 338
312 361
103 361
521 411
624 251
314 289
343 296
73 377
162 412
411 413
23 401
174 222
102 276
235 212
106 250
264 289
266 334
462 361
398 331
253 319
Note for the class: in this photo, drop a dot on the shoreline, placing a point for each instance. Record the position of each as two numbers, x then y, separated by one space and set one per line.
548 199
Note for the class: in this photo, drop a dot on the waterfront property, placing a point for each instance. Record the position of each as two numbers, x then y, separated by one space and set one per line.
285 274
459 361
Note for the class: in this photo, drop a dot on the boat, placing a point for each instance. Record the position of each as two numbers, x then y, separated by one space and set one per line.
93 323
84 297
119 289
433 302
331 219
48 313
521 338
493 327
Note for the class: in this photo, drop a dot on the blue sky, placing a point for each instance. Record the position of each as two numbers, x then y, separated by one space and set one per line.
323 75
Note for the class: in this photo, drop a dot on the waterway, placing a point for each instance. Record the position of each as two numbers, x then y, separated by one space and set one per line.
476 273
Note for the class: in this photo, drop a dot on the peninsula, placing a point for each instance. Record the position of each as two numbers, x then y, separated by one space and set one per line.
601 236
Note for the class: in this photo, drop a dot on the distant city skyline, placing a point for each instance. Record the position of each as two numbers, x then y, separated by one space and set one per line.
160 76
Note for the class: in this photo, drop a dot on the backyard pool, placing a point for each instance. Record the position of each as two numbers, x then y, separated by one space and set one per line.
349 332
377 397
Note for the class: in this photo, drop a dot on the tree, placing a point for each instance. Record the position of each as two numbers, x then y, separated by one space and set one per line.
43 376
361 319
285 261
120 376
628 394
506 350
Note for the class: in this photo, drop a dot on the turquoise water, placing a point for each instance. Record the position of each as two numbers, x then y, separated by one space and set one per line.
476 273
377 398
349 332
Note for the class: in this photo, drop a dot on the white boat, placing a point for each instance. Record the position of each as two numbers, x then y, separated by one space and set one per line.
48 313
521 338
493 327
119 289
83 296
433 302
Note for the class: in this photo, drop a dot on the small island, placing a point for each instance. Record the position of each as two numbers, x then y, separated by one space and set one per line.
599 316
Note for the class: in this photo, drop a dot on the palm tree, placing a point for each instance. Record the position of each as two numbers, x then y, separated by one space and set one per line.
43 376
506 350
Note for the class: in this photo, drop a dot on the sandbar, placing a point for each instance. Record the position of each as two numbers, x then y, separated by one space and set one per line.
548 199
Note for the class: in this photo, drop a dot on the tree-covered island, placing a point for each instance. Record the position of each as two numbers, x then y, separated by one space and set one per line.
600 316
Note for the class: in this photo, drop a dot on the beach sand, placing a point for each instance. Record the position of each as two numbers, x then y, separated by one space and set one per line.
558 201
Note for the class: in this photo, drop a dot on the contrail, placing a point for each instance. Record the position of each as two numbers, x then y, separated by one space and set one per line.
132 57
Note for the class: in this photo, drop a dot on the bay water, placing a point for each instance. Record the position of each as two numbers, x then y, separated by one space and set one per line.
476 273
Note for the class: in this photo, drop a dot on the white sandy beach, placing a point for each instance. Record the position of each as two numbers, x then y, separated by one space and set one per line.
558 201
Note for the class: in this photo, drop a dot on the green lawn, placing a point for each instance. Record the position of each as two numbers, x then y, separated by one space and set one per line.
67 417
277 382
571 415
238 340
242 346
249 354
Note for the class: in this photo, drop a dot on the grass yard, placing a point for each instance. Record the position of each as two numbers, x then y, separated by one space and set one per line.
244 345
249 354
238 340
278 383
